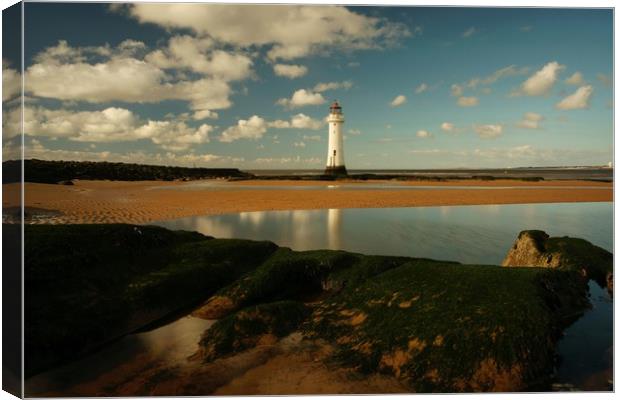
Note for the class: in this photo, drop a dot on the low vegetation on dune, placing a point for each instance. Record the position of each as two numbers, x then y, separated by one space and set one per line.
437 326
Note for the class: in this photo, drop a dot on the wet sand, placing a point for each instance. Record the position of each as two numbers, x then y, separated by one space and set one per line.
145 201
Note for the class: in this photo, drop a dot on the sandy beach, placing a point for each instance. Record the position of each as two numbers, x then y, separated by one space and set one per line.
145 201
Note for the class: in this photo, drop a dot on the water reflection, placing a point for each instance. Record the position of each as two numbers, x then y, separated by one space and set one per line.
140 353
469 234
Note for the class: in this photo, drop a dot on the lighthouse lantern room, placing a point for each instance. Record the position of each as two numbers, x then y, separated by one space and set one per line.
335 150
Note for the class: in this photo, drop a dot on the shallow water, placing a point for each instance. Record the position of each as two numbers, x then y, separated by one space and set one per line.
141 353
469 234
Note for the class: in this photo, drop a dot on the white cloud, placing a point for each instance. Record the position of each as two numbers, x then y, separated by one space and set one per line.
11 83
531 120
314 138
204 114
447 127
299 121
423 134
122 78
112 124
299 144
577 100
511 70
173 135
302 98
604 79
354 132
35 149
288 160
290 71
469 32
289 31
489 131
322 87
353 64
423 87
575 79
199 55
541 82
398 100
456 90
467 101
253 128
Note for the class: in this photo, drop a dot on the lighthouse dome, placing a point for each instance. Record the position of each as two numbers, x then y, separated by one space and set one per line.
335 106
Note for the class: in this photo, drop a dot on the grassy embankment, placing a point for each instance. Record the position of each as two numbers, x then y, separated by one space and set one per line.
438 326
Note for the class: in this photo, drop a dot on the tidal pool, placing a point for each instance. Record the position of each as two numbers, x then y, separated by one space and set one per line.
469 234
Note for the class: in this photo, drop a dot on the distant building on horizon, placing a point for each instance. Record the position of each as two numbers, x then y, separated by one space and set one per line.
335 149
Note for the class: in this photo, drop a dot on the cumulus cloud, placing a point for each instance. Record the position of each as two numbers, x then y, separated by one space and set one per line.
299 121
302 98
464 101
354 132
323 87
288 31
423 87
423 134
199 55
290 71
577 100
448 127
541 82
456 90
122 78
253 128
35 149
575 79
489 131
299 144
11 82
204 114
531 120
112 124
398 100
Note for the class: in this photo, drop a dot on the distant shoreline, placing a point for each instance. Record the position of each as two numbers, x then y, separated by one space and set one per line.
146 201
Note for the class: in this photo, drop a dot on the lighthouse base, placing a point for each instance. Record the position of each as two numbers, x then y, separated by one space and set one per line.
336 171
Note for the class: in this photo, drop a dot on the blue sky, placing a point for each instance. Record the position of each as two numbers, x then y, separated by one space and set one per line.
249 86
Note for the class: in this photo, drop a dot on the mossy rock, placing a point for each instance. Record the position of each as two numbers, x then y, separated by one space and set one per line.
88 284
286 274
450 328
256 325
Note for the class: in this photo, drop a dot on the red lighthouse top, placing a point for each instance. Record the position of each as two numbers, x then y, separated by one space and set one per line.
335 107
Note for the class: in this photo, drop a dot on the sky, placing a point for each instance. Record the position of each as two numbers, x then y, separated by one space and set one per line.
249 86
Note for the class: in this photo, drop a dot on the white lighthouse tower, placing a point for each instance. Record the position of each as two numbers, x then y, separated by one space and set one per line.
335 150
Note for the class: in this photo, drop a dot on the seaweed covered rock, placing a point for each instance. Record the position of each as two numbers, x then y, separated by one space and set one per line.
286 274
536 249
89 284
445 327
252 326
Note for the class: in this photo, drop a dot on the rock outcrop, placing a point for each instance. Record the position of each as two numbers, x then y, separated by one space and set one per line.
536 249
530 250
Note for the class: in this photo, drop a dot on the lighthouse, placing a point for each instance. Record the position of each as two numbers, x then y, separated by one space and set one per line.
335 150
